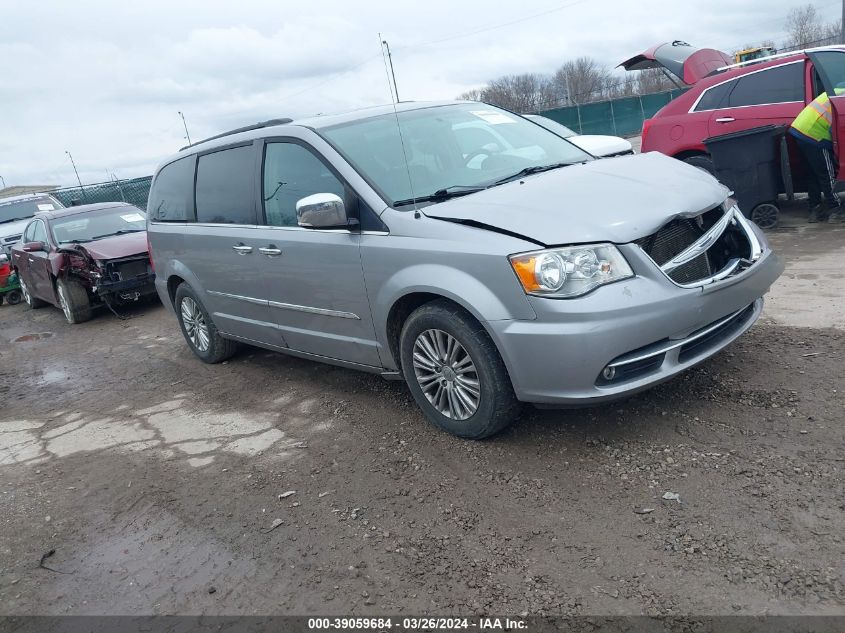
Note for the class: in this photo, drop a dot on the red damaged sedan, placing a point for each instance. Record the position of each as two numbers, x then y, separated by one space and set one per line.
83 257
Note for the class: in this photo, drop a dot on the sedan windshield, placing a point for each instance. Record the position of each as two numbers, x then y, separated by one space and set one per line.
96 225
451 150
25 209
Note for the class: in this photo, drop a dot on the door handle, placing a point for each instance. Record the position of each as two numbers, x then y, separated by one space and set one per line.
242 249
270 251
725 119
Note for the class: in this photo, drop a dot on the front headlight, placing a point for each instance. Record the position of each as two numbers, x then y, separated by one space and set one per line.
571 271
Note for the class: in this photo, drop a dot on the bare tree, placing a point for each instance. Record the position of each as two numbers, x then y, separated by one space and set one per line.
527 92
581 81
804 27
653 80
476 94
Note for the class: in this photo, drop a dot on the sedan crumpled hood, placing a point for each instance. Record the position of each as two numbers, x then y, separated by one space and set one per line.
117 246
617 200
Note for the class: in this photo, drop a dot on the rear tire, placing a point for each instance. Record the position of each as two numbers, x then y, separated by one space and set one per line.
13 297
199 330
455 372
74 301
33 302
704 163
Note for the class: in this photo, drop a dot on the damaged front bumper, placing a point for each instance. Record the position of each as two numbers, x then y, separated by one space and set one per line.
126 289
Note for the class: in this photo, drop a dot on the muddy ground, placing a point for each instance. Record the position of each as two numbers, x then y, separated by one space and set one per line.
156 479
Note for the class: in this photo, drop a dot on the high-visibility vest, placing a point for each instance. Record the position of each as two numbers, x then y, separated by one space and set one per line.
815 120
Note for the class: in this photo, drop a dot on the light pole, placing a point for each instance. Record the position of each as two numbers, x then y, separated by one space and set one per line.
188 136
78 179
393 74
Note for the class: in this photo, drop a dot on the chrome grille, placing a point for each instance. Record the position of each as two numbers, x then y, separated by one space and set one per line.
671 240
703 249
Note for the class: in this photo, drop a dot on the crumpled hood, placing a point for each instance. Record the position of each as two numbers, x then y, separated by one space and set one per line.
617 200
117 246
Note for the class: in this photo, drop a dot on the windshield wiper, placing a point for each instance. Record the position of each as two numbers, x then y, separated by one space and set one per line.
531 170
441 194
120 232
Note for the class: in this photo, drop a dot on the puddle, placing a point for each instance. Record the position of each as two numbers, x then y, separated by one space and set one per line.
53 375
33 337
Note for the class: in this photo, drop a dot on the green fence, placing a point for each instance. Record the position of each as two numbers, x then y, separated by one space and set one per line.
134 191
619 117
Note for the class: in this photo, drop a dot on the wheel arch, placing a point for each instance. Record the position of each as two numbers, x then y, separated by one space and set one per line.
689 153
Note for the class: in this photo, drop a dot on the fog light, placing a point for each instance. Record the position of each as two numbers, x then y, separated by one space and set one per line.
608 373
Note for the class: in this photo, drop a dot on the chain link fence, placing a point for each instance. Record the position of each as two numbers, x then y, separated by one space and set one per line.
619 117
133 190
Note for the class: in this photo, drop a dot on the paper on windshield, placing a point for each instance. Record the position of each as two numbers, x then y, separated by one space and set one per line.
133 217
46 207
492 117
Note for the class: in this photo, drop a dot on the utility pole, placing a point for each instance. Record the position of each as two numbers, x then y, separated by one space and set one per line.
393 74
78 179
188 136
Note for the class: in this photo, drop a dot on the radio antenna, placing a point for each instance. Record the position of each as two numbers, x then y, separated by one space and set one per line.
392 87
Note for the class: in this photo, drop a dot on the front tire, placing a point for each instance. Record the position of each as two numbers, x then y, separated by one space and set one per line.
199 330
74 301
455 372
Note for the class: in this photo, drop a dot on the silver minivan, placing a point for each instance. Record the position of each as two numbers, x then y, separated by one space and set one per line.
478 256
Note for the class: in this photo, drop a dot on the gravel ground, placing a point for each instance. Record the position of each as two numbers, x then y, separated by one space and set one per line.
272 485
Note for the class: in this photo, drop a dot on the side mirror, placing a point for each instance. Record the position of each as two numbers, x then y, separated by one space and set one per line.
33 247
321 211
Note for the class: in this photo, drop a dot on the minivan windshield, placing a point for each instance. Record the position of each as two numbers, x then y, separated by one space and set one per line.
25 209
96 225
451 150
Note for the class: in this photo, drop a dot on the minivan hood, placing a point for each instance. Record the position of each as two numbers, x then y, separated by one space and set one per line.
617 200
686 62
117 246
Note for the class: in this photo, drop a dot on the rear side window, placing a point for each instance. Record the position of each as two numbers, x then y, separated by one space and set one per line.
225 187
291 172
713 98
776 85
170 198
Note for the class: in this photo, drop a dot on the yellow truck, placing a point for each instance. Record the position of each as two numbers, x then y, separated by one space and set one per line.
750 54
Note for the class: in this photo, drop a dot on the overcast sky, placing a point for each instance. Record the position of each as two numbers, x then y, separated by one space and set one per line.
105 79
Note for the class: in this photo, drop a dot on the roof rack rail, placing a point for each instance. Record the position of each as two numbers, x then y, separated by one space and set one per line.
769 58
246 128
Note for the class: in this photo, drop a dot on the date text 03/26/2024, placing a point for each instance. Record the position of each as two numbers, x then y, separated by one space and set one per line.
414 624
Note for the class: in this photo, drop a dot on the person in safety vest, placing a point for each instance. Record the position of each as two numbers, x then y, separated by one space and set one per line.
812 132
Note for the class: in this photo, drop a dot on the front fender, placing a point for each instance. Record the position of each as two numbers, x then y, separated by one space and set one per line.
473 294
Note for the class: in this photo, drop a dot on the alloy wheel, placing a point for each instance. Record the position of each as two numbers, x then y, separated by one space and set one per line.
446 374
64 305
25 291
195 326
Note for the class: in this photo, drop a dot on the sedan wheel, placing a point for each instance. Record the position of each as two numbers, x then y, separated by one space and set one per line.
64 305
31 301
195 326
446 374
